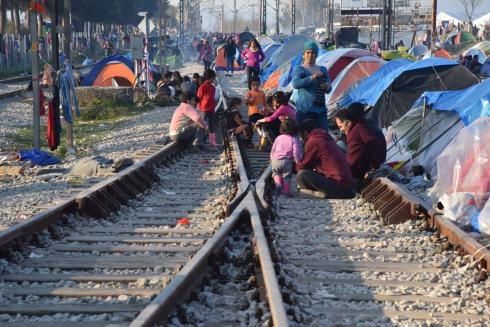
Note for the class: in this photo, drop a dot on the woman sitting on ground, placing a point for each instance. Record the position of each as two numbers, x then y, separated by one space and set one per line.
324 171
366 144
187 125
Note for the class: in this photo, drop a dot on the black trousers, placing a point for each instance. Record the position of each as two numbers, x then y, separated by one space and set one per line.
308 179
252 73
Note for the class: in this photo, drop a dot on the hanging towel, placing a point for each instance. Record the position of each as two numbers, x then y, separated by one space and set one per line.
68 94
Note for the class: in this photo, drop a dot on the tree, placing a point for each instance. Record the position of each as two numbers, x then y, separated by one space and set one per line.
469 7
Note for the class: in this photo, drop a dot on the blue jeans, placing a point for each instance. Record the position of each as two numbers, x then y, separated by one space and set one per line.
320 118
229 64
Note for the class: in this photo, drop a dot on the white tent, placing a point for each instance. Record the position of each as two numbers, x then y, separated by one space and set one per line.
449 18
482 21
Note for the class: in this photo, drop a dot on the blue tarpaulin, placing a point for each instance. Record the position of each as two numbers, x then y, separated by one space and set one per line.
469 104
364 90
38 157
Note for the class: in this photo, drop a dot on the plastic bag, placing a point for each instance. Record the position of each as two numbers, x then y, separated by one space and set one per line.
463 182
481 220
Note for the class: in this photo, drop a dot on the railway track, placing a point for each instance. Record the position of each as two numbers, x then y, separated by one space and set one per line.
115 255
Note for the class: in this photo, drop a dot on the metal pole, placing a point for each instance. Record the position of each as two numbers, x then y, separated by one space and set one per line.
164 36
264 17
261 17
160 35
222 18
147 53
234 16
181 21
55 55
277 16
66 50
383 40
434 28
36 125
293 17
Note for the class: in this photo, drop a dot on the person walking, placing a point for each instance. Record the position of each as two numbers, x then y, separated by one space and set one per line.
206 94
206 55
230 53
311 82
253 56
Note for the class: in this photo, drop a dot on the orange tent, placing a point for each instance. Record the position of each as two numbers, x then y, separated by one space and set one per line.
441 53
220 63
116 71
273 82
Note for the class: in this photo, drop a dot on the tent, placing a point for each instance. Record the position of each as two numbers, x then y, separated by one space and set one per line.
362 91
264 40
173 58
434 120
456 38
441 53
397 54
481 49
350 76
245 37
393 95
287 51
338 59
220 63
485 69
269 50
418 51
116 69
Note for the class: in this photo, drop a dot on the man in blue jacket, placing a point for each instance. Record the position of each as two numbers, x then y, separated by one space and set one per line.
311 83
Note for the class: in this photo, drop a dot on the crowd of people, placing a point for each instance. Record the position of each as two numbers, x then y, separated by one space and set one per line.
298 137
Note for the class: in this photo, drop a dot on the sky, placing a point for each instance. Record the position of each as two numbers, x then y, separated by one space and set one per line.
449 6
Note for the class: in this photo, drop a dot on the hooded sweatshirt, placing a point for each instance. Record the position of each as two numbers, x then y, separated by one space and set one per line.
253 58
326 158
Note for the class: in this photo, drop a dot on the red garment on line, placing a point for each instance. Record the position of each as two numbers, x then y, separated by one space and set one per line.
42 98
51 132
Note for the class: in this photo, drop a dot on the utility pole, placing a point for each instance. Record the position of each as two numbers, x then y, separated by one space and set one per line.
234 16
263 11
293 17
66 51
277 17
55 57
434 27
160 35
36 125
383 27
222 18
164 36
147 23
181 21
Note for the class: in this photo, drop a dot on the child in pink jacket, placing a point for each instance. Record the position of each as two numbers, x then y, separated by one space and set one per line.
285 149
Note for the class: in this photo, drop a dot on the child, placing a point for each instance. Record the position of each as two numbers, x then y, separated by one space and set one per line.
286 148
255 99
236 124
207 104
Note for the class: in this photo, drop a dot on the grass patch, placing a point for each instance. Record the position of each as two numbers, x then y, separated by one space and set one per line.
5 75
86 130
108 110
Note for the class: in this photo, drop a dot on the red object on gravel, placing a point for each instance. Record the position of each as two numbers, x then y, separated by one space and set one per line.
183 221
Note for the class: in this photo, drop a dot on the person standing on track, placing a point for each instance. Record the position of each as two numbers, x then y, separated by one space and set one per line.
311 82
230 53
253 56
285 151
206 94
255 99
324 168
187 125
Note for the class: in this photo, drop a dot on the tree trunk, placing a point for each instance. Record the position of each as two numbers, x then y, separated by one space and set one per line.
40 23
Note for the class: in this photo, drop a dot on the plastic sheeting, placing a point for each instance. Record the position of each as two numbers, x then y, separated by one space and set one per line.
350 76
336 60
463 184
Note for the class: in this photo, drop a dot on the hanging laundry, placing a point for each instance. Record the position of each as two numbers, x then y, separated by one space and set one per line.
47 79
53 133
68 94
42 98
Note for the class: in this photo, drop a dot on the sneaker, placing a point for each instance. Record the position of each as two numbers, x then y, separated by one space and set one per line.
314 194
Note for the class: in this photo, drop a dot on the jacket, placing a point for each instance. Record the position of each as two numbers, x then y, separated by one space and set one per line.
308 90
366 148
230 50
286 146
184 116
206 53
253 58
281 113
325 157
206 93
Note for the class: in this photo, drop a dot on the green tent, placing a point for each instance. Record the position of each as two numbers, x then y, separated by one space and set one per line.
396 54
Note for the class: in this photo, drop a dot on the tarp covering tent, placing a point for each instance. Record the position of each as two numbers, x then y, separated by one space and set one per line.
362 91
481 49
264 40
393 95
418 51
347 37
117 67
441 53
172 59
463 184
269 50
397 54
338 59
245 37
485 69
456 38
434 120
220 63
356 71
287 51
287 77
